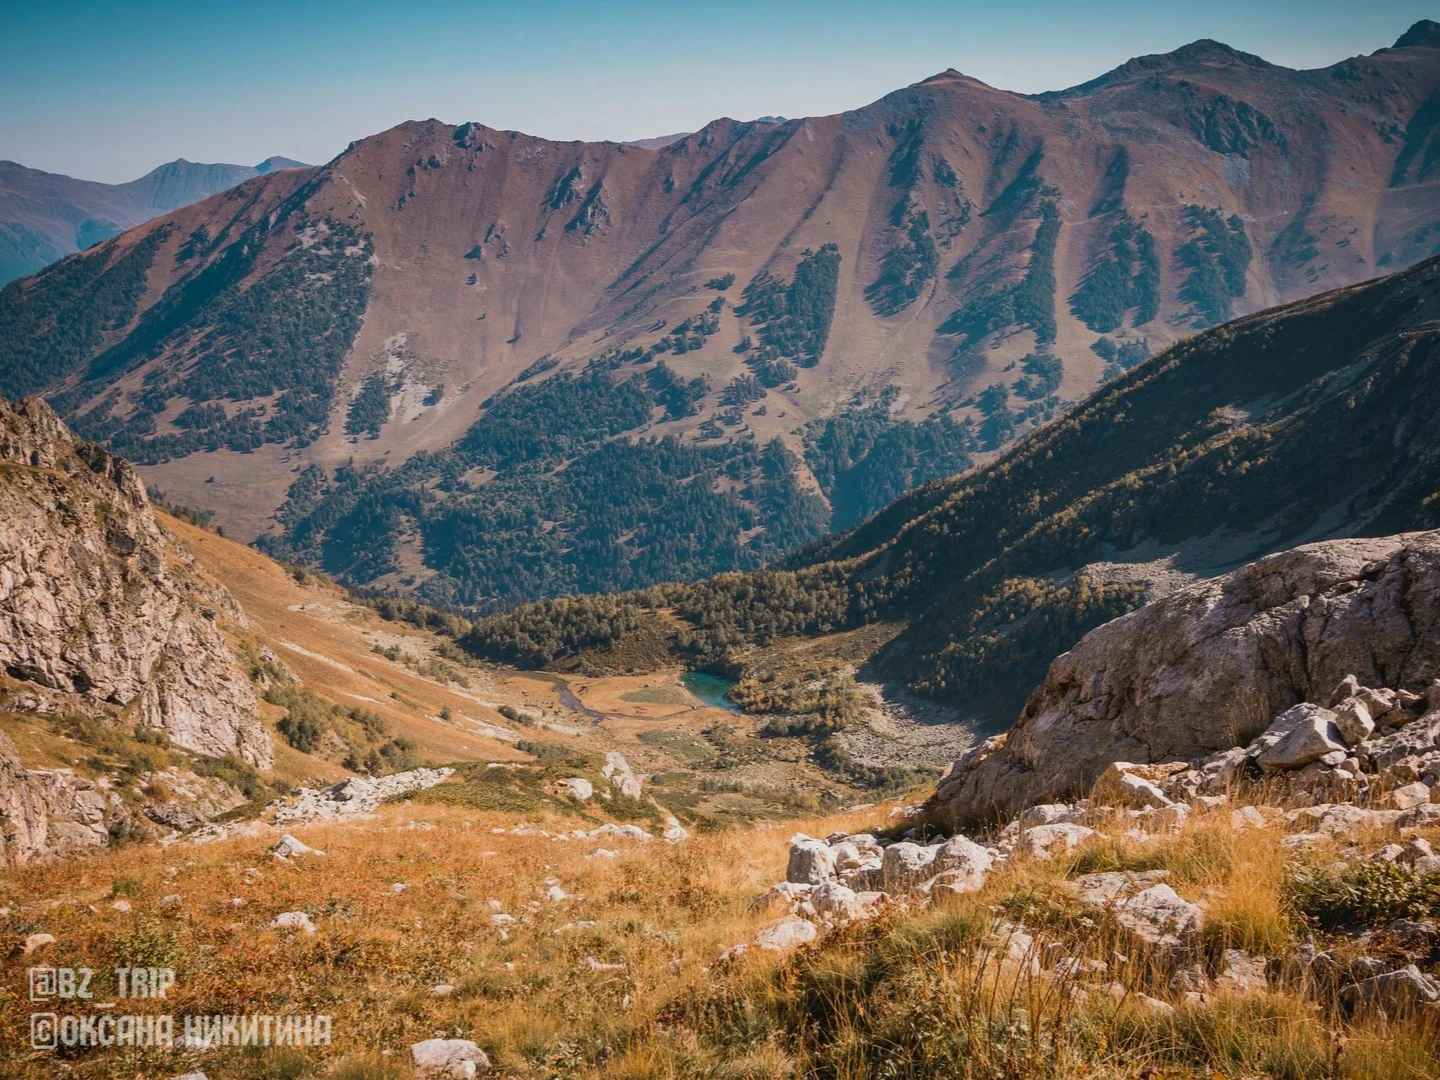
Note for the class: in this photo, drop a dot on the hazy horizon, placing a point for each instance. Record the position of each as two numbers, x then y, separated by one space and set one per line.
110 94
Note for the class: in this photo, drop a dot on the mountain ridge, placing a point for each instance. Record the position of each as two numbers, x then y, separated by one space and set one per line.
966 256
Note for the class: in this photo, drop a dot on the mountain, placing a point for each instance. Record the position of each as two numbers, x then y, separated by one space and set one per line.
1307 422
46 216
483 367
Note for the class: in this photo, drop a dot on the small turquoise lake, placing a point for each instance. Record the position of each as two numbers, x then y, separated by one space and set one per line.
711 689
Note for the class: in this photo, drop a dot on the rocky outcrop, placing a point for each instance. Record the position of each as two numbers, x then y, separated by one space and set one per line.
49 812
1210 667
96 601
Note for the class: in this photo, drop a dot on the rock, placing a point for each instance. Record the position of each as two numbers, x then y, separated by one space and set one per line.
1306 733
1335 819
1180 677
555 894
1416 849
121 906
1417 933
1159 917
786 935
288 847
459 1058
906 865
1409 796
675 834
1114 885
190 1076
1247 817
1044 814
1428 866
617 770
835 899
592 964
1122 784
1353 721
1219 772
97 601
1394 993
627 832
357 795
441 990
577 787
293 920
36 941
963 864
1240 972
811 861
1043 841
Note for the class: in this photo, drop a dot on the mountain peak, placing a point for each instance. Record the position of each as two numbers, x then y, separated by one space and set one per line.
1206 52
1425 34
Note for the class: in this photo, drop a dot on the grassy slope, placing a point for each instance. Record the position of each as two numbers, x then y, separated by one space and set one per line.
910 995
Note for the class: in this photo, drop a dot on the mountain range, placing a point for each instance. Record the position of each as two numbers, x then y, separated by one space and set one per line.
45 216
483 367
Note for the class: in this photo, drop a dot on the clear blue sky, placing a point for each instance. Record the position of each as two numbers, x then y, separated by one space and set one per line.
108 90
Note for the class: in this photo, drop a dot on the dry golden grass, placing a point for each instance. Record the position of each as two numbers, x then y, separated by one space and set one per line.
916 994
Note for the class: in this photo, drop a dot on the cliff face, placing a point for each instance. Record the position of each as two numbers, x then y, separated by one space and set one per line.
1208 667
99 605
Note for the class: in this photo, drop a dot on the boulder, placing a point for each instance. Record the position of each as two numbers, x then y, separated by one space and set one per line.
1353 721
1043 841
1394 992
458 1058
786 935
1241 972
1187 675
617 770
1124 784
963 863
906 865
1409 796
576 787
293 920
811 861
832 898
1299 736
1159 917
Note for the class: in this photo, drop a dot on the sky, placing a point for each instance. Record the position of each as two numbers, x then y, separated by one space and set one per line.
107 91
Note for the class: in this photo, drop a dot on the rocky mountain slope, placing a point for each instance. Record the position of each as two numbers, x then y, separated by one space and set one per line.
46 216
1208 668
821 311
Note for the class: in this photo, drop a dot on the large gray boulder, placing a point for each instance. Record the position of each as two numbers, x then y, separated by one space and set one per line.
1208 667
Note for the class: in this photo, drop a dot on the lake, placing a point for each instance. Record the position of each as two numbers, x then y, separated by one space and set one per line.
711 689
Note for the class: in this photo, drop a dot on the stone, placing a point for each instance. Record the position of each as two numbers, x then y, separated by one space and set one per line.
576 787
617 770
1159 917
122 906
1181 677
1113 885
555 894
459 1058
675 834
1310 733
288 847
836 899
293 920
1417 933
1336 819
811 861
1394 992
190 1076
964 862
906 865
441 990
1122 785
786 935
1409 796
1417 848
36 941
1219 772
357 796
1044 814
627 832
1241 972
1353 721
1247 817
1043 841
